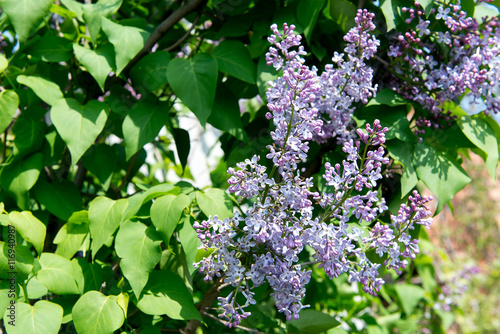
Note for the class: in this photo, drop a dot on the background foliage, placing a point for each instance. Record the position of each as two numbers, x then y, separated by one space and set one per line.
104 246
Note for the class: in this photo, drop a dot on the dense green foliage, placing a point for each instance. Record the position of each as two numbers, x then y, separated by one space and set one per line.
103 247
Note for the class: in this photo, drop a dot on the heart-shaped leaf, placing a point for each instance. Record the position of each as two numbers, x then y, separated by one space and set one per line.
93 14
30 228
79 125
95 313
20 176
24 14
61 199
215 202
46 90
57 274
128 41
142 124
443 176
98 62
193 81
42 318
166 212
139 248
233 58
71 235
167 294
105 215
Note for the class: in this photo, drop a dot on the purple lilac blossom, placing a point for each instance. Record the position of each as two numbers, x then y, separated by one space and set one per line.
264 243
432 77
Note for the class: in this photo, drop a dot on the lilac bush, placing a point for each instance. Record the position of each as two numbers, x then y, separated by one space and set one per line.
432 64
264 243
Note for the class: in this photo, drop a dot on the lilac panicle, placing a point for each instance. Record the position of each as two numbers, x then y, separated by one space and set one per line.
263 243
432 77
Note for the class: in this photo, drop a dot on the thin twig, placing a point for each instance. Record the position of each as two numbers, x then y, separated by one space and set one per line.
381 60
250 330
4 150
129 170
80 175
186 35
160 31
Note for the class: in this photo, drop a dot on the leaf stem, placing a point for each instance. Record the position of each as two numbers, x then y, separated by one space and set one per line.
25 292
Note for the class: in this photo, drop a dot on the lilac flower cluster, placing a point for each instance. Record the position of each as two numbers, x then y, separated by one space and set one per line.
438 63
264 243
325 101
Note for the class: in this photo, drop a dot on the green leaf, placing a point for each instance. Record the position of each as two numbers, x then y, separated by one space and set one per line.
136 201
387 97
4 63
18 260
24 14
182 144
469 7
142 124
30 228
57 274
215 202
61 199
93 162
307 14
6 295
189 241
93 13
74 6
226 115
427 5
139 248
391 15
128 41
42 318
20 176
483 136
440 174
193 81
172 299
93 274
29 134
95 313
105 215
150 72
79 125
393 118
409 296
166 212
71 235
66 302
9 102
343 12
312 321
233 58
46 90
98 62
52 49
403 152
